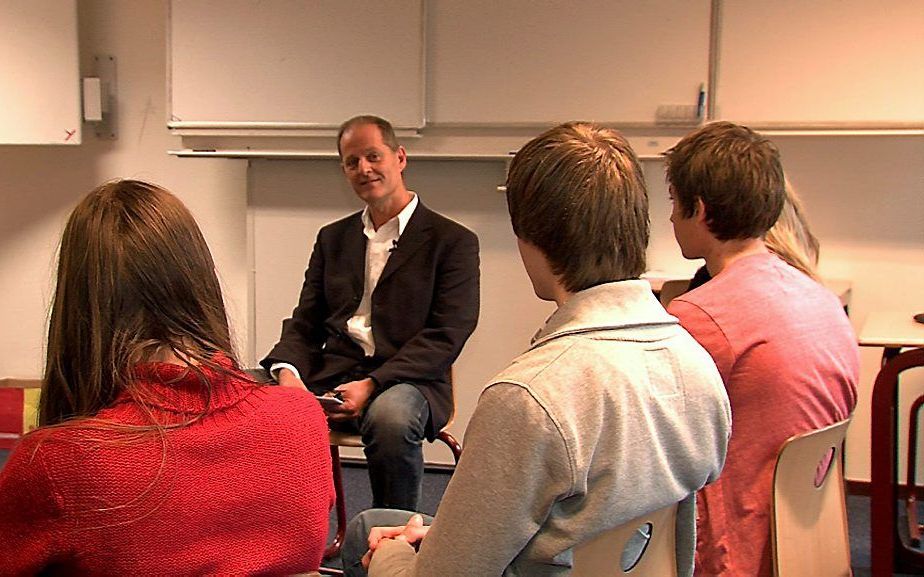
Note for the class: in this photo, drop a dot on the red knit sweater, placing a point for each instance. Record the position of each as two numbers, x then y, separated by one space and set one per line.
245 490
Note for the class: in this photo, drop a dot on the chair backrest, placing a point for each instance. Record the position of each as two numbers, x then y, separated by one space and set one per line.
672 289
808 513
603 555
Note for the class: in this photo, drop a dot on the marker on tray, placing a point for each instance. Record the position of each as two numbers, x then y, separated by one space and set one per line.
701 101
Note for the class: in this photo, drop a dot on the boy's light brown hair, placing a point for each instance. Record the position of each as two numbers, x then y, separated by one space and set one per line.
578 194
736 172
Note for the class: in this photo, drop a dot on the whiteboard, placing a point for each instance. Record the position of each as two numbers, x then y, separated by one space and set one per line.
295 63
544 61
821 62
40 72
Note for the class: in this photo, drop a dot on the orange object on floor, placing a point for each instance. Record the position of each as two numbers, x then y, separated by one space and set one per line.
18 405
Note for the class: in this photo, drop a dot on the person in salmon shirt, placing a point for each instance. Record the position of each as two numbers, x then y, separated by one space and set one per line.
785 349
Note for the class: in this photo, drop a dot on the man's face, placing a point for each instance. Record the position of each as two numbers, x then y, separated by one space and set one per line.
686 228
373 169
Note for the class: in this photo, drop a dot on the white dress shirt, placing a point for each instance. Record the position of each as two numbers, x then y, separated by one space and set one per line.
379 245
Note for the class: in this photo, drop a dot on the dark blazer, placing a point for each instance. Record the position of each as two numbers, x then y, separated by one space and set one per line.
424 308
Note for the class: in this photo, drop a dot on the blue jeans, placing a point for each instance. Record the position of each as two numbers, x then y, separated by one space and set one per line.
392 428
357 536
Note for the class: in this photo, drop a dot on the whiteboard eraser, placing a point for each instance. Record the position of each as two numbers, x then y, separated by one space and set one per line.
92 100
676 114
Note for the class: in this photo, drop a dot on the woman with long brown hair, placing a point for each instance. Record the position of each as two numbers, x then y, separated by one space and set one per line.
155 453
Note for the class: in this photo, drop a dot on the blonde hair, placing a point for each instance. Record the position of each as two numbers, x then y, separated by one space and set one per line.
790 237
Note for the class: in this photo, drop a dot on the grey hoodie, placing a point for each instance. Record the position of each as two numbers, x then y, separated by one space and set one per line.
613 412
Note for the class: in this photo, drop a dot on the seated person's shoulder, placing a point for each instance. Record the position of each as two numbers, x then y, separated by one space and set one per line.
343 226
67 449
512 403
290 398
740 286
36 442
529 365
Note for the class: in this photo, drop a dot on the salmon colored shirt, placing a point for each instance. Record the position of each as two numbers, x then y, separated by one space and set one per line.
789 359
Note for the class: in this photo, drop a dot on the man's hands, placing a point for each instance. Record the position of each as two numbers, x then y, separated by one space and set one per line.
411 533
355 395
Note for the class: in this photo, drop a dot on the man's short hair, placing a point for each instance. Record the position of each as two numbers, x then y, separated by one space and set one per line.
577 193
736 172
385 128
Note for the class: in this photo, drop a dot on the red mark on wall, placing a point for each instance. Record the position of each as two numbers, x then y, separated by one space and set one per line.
70 133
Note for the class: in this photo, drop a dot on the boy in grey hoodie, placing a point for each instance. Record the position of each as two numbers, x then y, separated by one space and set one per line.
613 412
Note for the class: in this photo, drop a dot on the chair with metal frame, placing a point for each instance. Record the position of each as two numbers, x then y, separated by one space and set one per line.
340 439
808 509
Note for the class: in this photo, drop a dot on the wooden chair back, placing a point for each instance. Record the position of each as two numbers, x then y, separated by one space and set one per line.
672 289
808 512
603 555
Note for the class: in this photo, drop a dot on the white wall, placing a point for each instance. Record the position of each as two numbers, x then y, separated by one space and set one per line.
39 185
865 199
864 196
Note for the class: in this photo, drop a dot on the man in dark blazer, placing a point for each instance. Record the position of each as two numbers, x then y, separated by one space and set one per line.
390 296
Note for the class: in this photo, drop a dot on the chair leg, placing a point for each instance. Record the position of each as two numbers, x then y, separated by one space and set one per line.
334 548
451 442
911 506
